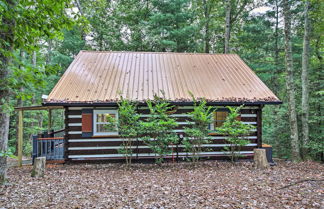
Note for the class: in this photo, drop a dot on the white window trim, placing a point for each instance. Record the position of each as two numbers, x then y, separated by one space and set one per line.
211 126
95 112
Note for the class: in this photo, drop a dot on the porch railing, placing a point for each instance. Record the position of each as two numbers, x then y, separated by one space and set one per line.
49 145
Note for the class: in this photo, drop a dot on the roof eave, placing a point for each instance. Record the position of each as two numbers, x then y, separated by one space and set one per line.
87 104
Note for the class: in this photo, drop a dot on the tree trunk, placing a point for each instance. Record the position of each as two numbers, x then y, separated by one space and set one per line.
39 167
34 60
207 19
227 35
260 159
4 115
277 72
275 78
48 57
6 37
305 83
290 83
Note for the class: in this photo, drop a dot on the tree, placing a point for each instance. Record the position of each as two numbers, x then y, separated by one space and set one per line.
233 10
235 131
197 134
171 26
157 130
128 127
22 24
227 26
290 83
305 82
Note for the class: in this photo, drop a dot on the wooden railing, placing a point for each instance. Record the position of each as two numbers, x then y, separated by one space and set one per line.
49 145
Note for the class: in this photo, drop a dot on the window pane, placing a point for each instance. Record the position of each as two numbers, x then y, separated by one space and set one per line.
104 117
104 128
219 118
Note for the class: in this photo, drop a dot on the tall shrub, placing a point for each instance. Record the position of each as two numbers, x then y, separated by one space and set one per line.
157 129
197 134
128 121
236 132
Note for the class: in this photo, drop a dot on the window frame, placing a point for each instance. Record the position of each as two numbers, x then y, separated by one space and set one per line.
212 124
95 123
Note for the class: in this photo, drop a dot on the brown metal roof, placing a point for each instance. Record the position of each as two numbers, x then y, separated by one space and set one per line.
101 77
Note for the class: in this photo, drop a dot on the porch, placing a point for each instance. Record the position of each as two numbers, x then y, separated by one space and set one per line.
49 144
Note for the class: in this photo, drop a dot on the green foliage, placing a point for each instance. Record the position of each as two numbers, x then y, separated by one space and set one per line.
57 33
23 27
32 21
197 134
157 130
128 127
171 26
7 153
235 131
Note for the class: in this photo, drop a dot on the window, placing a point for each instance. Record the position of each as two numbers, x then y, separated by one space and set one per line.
219 118
101 122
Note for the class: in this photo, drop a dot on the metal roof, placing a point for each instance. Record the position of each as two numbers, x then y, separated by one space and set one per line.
102 77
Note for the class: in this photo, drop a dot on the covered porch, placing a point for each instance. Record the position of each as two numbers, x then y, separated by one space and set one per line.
49 144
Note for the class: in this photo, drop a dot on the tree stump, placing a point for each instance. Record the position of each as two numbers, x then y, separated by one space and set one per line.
260 159
39 167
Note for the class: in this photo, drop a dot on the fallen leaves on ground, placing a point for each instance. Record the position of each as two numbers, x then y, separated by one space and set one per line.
209 184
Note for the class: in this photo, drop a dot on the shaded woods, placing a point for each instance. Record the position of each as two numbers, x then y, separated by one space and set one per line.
279 40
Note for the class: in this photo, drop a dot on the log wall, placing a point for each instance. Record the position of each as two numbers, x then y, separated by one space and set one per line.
97 147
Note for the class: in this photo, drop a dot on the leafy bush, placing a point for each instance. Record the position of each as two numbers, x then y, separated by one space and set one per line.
198 134
157 130
128 126
235 131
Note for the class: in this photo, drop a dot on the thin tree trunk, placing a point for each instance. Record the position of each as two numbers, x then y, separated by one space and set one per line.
290 83
49 52
227 26
276 49
275 75
34 60
305 83
207 19
78 5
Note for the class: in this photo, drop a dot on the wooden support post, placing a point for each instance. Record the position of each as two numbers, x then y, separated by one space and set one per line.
259 126
39 167
20 136
49 120
260 158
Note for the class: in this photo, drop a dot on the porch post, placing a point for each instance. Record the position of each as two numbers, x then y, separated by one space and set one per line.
49 120
20 136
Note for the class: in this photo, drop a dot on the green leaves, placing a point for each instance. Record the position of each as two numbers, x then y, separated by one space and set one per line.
128 120
201 117
157 130
235 131
7 153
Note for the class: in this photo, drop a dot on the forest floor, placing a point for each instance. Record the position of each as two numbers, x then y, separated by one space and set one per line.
209 184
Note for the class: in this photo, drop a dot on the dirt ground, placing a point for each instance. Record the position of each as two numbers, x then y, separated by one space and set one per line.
207 185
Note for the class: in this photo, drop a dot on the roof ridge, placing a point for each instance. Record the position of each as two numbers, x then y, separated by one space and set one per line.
146 52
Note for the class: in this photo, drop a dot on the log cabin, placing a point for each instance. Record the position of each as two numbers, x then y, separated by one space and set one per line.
93 83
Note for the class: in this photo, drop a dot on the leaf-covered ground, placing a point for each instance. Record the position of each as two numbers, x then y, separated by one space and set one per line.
207 185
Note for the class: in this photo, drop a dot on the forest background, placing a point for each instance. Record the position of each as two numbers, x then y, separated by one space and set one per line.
281 40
